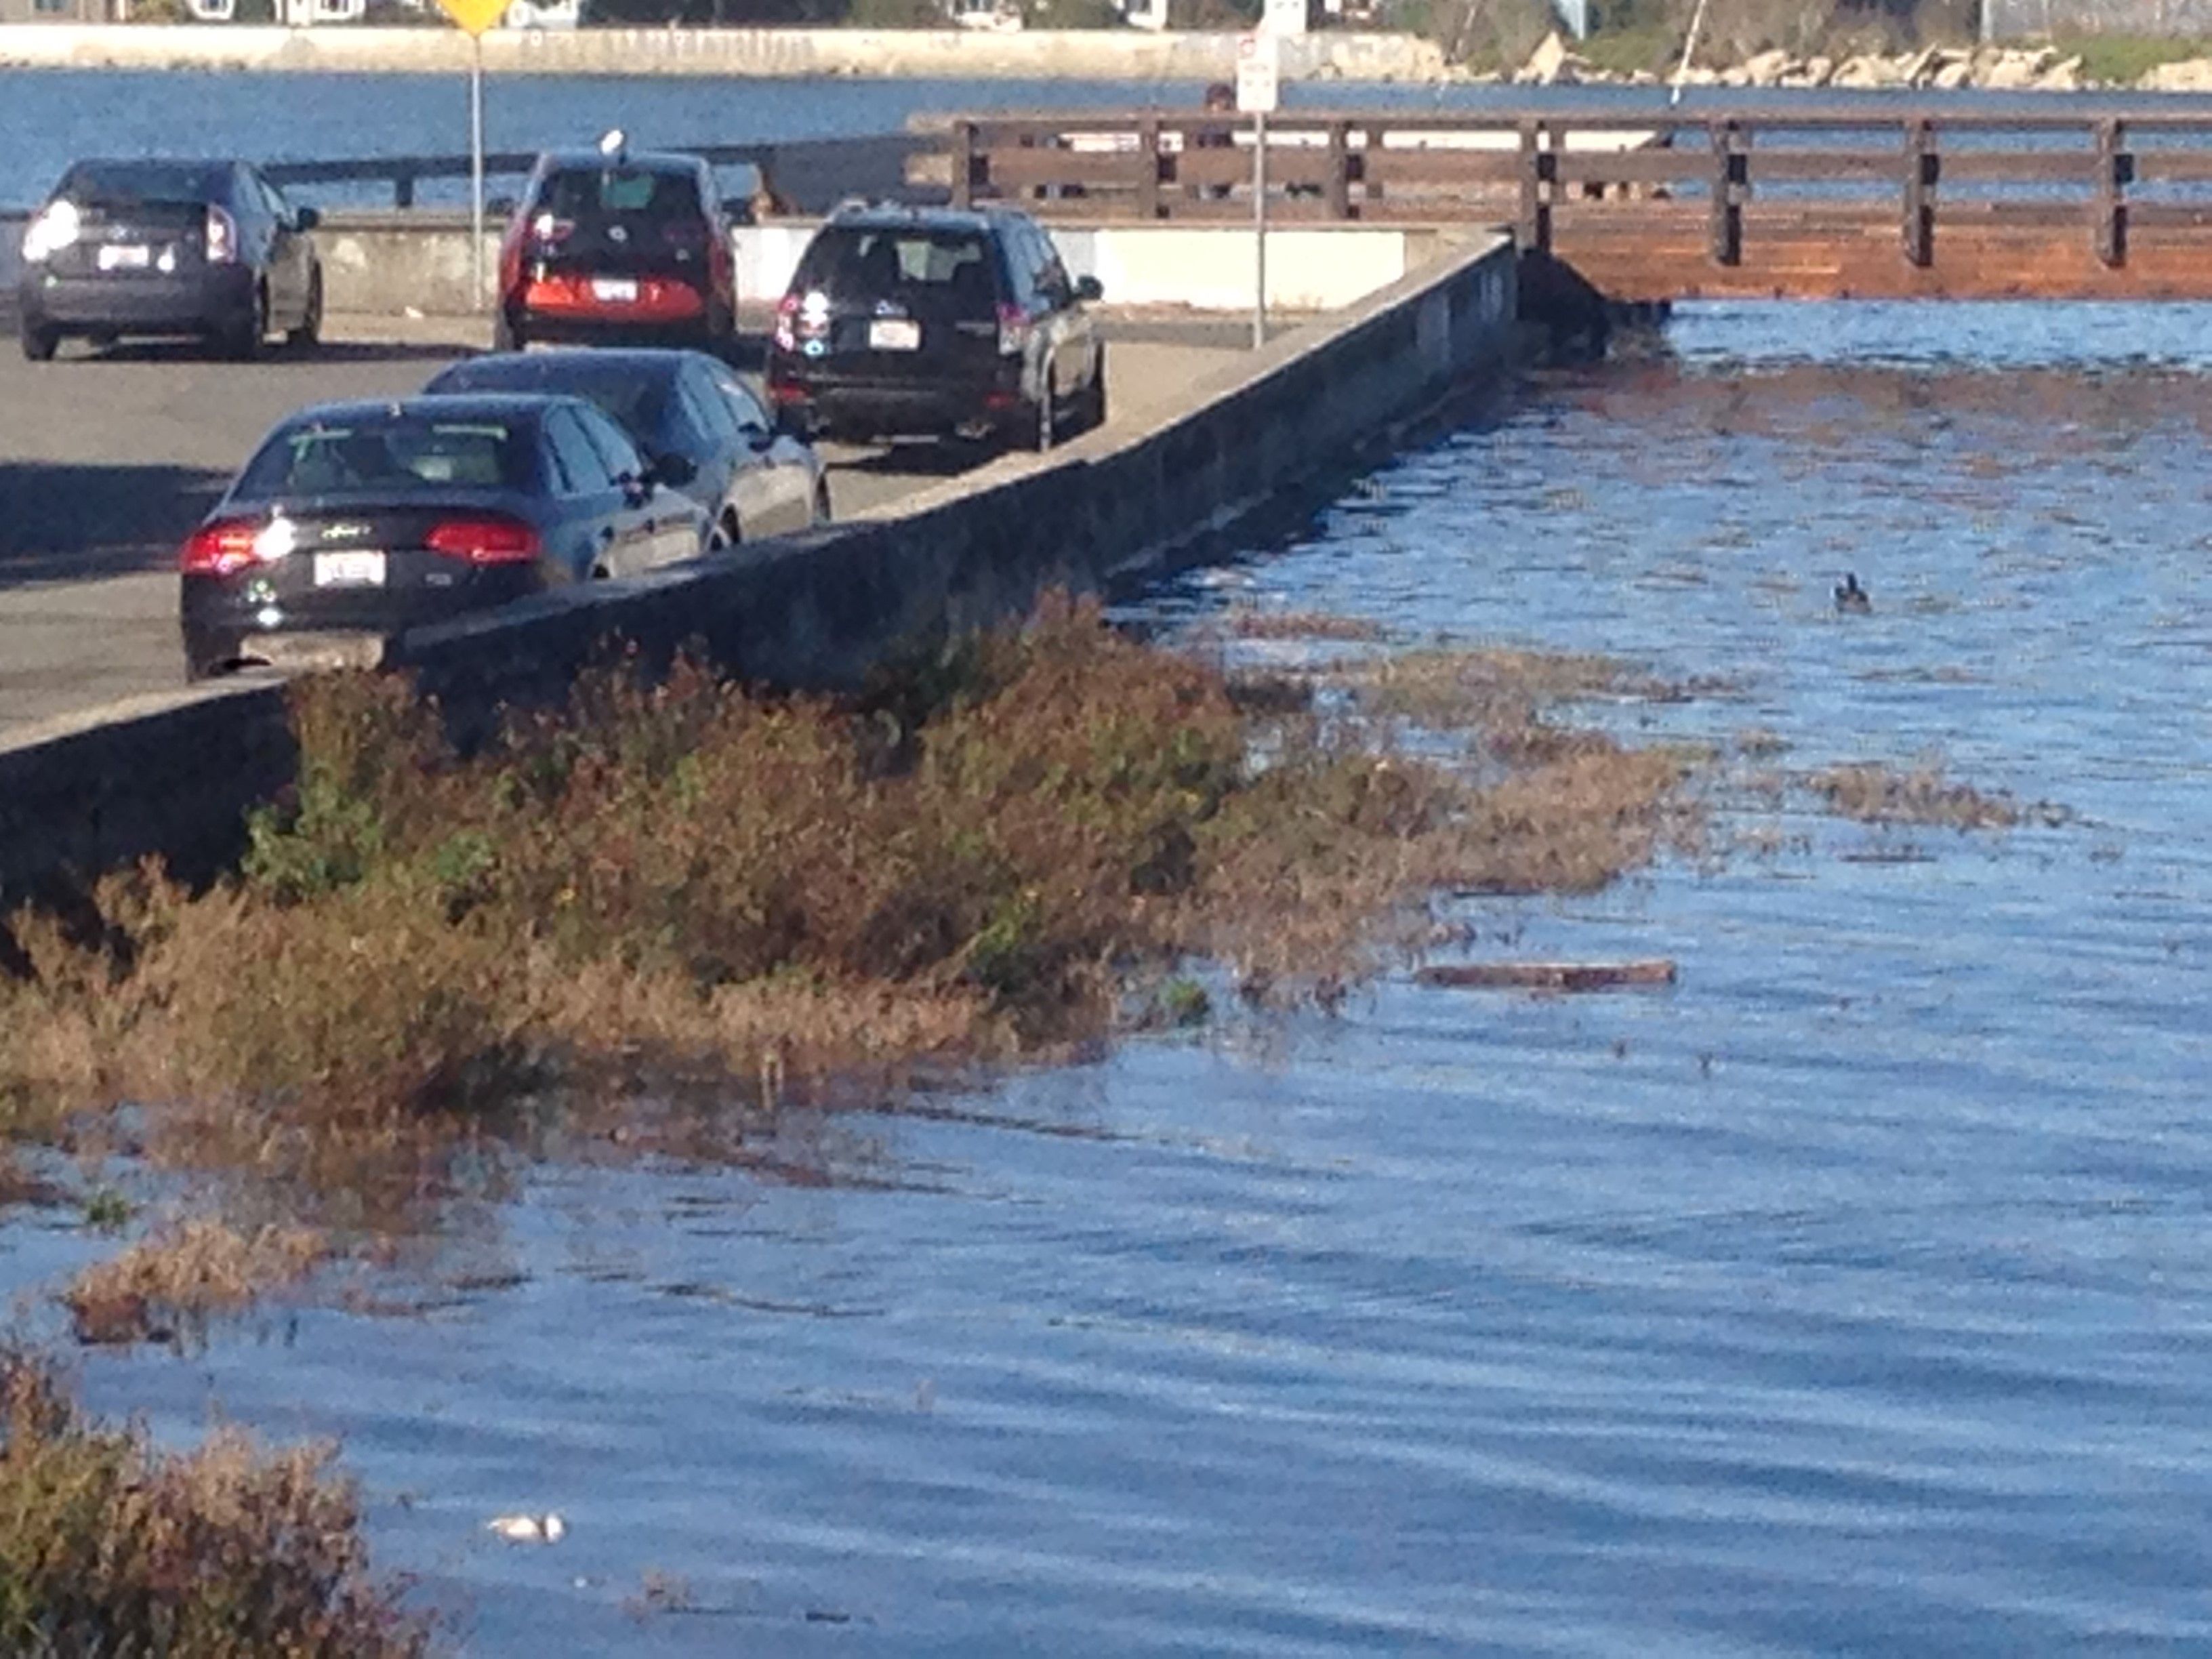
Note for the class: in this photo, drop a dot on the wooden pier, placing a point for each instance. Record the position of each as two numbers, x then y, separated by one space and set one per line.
1812 202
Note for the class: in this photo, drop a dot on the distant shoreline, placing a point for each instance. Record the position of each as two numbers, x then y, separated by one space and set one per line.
783 53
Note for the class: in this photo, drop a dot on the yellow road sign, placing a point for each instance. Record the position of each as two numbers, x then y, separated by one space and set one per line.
474 15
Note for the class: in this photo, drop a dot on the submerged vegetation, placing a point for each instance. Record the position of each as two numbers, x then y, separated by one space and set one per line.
680 884
109 1546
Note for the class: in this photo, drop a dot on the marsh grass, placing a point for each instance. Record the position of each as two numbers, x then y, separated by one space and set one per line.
167 1286
1873 794
677 884
109 1547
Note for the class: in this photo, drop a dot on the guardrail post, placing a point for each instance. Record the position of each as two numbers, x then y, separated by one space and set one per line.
1339 189
963 164
403 187
2116 171
1148 176
1923 167
1731 185
1540 168
1370 177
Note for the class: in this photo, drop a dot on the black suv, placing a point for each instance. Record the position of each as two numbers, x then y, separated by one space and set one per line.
939 322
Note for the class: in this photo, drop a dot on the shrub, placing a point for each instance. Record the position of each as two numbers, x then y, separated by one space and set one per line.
109 1547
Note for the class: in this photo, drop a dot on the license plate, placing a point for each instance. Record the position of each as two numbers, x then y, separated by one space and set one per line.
355 568
615 291
891 334
124 256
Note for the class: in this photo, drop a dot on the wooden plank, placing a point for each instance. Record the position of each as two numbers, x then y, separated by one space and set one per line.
1440 166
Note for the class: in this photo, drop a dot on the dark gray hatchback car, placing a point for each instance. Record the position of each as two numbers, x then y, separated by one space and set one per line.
209 250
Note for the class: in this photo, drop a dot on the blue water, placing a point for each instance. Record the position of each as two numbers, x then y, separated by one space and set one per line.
1853 1296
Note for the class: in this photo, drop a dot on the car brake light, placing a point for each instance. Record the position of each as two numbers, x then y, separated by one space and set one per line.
786 335
485 541
220 549
1013 331
221 237
56 226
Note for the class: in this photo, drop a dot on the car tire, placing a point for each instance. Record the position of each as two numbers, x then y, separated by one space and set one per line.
1094 405
1042 432
724 533
823 512
39 340
721 336
309 334
241 341
508 334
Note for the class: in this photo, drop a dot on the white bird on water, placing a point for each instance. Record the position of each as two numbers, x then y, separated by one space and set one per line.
547 1529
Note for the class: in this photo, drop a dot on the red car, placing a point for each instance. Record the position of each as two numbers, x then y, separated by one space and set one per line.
608 246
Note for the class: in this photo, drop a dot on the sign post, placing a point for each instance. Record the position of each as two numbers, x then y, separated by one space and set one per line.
1259 67
476 16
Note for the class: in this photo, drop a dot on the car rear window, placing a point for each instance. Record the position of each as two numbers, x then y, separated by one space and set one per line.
947 264
635 399
131 184
401 456
619 192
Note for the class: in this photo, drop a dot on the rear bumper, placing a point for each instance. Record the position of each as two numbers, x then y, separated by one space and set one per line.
199 301
852 406
231 620
661 302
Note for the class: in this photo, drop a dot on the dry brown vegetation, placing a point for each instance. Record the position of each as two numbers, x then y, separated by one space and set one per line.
169 1284
678 881
1881 795
108 1547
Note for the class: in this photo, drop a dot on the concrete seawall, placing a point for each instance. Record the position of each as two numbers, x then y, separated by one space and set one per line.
384 264
954 54
177 774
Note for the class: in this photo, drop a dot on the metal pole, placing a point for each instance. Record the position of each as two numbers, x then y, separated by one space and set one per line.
476 171
1259 228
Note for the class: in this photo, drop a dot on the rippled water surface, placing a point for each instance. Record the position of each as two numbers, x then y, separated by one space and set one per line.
1854 1295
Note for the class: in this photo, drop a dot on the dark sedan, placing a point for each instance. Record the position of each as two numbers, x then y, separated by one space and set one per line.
752 480
204 249
354 522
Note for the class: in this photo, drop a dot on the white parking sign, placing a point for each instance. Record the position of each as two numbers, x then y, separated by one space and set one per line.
1258 65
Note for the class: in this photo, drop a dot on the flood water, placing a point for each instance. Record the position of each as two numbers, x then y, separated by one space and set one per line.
1852 1296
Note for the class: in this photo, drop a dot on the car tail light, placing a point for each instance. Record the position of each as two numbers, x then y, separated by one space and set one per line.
1013 331
220 549
485 541
55 227
221 237
787 315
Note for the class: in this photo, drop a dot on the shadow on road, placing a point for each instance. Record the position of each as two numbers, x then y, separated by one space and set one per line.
61 522
79 354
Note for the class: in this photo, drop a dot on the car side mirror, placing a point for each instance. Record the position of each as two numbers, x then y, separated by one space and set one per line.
1088 288
761 438
306 219
673 470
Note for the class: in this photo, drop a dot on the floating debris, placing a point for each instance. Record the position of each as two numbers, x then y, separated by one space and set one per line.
547 1529
1548 975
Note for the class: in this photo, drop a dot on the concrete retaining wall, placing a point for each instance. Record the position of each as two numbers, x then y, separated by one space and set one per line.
953 54
177 774
384 264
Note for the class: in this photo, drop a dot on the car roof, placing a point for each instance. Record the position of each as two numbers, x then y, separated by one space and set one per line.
510 405
891 215
635 161
521 363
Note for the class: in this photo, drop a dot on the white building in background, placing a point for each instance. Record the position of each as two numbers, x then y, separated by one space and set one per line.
543 14
212 11
309 14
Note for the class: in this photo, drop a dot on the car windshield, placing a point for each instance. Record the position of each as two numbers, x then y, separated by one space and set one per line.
619 192
952 268
402 455
635 398
134 184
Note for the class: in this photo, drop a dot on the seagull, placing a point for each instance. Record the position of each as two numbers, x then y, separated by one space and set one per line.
1851 599
547 1529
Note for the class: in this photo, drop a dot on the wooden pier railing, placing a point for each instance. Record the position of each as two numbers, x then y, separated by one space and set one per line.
1810 202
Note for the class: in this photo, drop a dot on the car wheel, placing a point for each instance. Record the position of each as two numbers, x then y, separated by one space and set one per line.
822 512
1040 423
40 341
508 333
309 334
243 340
724 534
1095 416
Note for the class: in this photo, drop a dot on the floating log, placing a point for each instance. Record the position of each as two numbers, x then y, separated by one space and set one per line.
1549 976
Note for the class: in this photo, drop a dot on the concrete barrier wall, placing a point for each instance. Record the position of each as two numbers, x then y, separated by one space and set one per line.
386 264
177 774
953 54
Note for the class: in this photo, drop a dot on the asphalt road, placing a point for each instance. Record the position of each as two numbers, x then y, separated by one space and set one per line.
108 459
